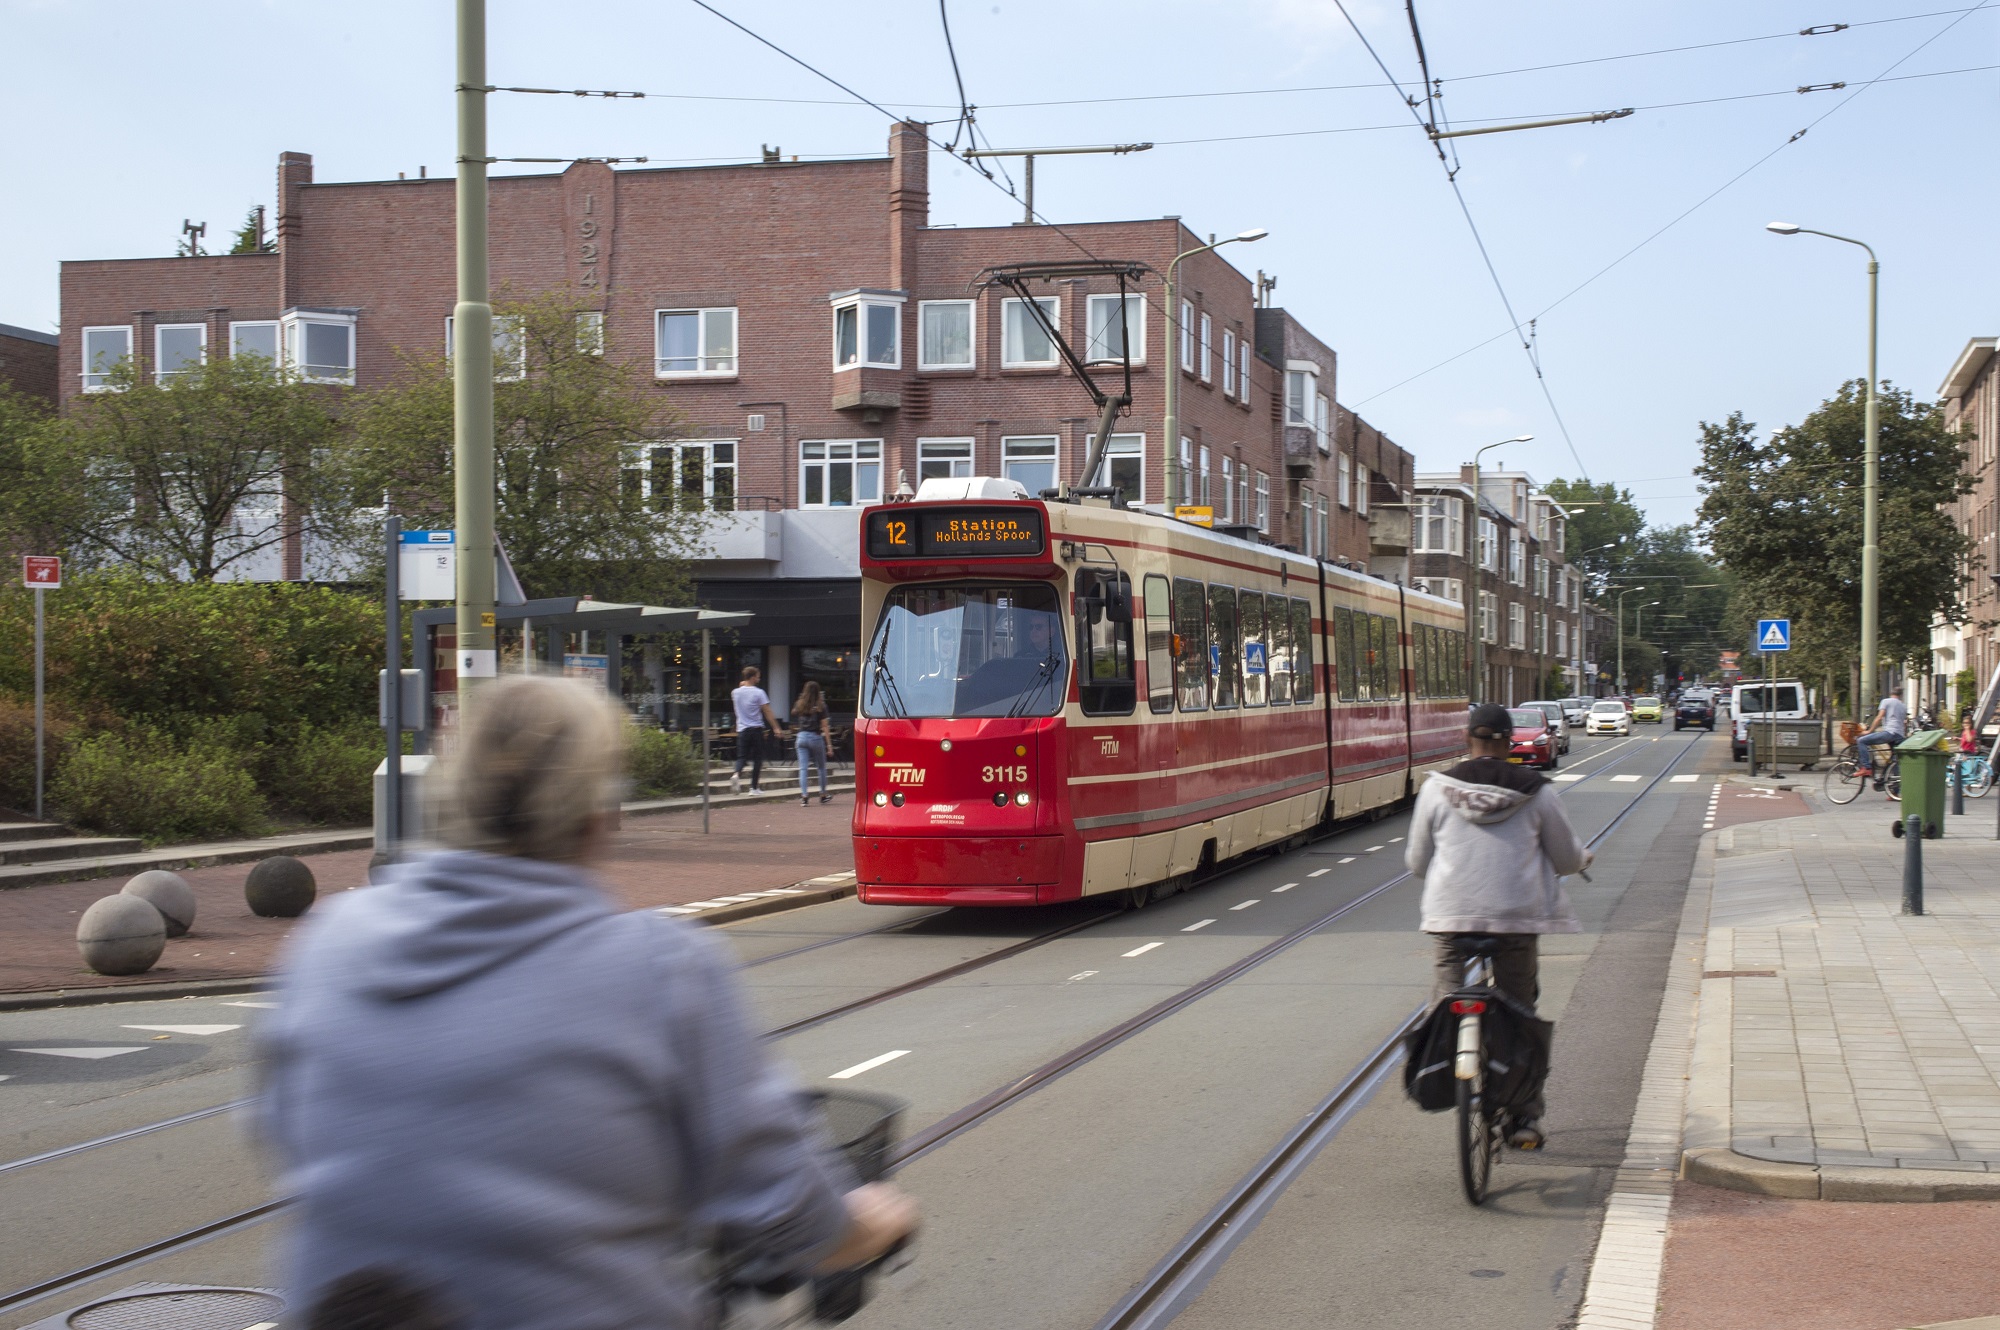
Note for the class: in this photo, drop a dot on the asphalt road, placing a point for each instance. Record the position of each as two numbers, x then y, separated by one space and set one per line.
1045 1214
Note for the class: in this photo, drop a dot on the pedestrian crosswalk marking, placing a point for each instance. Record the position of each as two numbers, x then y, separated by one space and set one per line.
91 1053
1682 780
187 1029
1571 776
1626 778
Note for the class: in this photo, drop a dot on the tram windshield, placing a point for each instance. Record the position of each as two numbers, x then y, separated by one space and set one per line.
959 649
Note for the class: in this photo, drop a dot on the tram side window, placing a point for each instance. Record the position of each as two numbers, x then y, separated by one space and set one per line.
1159 644
1225 648
1106 686
1302 658
1256 649
1283 651
1347 676
1368 646
1389 658
1436 677
1454 660
1420 660
1190 644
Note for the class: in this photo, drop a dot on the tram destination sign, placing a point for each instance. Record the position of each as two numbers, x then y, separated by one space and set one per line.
945 533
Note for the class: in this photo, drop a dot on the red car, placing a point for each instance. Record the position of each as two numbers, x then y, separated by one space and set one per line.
1535 744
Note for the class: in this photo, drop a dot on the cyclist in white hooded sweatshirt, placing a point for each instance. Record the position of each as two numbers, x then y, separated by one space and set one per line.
1492 842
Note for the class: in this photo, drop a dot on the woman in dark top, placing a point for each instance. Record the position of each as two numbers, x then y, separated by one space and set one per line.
814 736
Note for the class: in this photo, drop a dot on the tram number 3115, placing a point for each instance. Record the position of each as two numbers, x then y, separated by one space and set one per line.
998 775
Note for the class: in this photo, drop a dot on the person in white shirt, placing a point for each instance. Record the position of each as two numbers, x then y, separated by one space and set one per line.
1890 726
753 718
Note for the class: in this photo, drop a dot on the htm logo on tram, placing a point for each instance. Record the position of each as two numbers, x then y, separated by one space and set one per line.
904 773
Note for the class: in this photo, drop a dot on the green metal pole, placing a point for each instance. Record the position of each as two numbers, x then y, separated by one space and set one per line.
1169 390
472 367
1871 516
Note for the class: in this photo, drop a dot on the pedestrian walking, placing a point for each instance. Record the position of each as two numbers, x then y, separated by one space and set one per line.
1890 726
754 719
504 1103
813 736
1492 842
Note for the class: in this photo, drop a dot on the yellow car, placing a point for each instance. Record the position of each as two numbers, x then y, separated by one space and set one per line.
1647 708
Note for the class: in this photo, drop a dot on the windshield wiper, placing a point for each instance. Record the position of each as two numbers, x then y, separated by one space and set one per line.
1043 672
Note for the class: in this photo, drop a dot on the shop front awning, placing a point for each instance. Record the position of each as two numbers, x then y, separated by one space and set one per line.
566 614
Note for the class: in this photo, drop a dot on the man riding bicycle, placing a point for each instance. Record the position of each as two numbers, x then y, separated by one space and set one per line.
1890 727
1491 841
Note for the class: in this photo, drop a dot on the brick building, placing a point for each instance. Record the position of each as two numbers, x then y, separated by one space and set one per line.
28 362
823 342
1970 396
1529 610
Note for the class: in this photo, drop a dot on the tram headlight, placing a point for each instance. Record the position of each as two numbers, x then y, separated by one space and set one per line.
1022 798
999 798
881 799
897 798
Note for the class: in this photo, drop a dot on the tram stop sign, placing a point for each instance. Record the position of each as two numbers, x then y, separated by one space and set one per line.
41 570
1774 634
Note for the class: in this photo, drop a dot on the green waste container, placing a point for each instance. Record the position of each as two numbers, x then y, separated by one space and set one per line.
1922 758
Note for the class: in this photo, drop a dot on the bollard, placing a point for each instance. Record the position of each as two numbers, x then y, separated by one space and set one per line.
1913 864
1957 788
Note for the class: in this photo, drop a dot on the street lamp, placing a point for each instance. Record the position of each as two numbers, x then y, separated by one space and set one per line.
1628 591
1472 603
1172 389
1872 472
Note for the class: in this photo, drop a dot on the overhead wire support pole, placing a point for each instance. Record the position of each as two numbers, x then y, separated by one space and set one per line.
472 370
1596 118
1028 218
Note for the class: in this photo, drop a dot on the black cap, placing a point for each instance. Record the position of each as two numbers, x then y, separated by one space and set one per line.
1490 720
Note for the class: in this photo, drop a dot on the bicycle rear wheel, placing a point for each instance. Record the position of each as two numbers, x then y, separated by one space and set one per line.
1476 1143
1978 777
1892 782
1844 782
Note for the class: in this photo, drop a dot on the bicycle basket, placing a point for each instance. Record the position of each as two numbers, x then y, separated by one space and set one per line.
863 1125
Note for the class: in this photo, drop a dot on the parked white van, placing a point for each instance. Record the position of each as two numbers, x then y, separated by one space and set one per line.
1780 699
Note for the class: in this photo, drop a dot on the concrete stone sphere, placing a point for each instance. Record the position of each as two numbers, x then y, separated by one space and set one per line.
280 888
168 893
121 935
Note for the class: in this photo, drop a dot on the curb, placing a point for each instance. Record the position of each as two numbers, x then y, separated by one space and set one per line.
17 876
1708 1118
813 891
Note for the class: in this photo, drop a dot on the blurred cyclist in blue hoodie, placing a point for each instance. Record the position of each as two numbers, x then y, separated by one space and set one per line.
496 1094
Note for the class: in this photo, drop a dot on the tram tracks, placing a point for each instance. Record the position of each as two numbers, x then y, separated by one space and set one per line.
1268 1181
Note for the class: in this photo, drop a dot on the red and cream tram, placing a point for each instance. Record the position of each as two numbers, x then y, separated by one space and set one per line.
1064 699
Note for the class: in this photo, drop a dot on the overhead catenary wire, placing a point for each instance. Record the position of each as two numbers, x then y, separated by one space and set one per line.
1704 200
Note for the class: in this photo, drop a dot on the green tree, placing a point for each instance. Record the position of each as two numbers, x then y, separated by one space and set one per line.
1601 514
1785 516
250 237
1688 623
191 478
571 424
23 422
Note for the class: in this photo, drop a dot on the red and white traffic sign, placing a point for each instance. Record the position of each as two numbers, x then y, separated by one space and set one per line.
42 570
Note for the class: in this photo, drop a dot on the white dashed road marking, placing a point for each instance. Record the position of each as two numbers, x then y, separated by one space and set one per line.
249 1004
1681 780
1348 860
1140 951
1287 887
1394 839
1322 872
1192 927
869 1065
92 1053
185 1029
1371 849
1244 905
1571 776
1627 778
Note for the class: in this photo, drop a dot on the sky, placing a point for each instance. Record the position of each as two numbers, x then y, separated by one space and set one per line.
128 118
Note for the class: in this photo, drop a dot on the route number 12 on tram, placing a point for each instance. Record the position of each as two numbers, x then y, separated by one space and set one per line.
931 533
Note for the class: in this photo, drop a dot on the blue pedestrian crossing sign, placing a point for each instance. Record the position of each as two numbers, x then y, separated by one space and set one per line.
1774 634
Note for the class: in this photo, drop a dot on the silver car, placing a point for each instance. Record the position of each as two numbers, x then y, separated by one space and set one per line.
1558 716
1576 711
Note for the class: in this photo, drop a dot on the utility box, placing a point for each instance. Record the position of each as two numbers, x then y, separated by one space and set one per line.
1922 759
1798 741
416 771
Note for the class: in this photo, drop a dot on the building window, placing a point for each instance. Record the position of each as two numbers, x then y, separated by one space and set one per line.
1488 545
1263 503
1325 529
1187 335
1446 588
694 343
320 347
1024 344
1117 322
1556 526
1123 467
1517 625
1344 474
1228 484
1243 372
254 339
1228 363
1562 639
1206 494
1361 477
1489 618
1516 573
1207 333
590 332
943 459
944 334
867 332
1185 485
1439 526
1322 422
178 348
1301 386
1307 524
840 473
1243 510
1031 460
103 350
686 476
510 348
